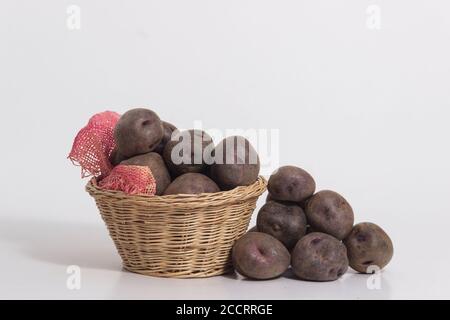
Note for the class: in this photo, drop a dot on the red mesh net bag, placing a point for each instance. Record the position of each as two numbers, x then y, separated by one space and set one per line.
130 179
93 145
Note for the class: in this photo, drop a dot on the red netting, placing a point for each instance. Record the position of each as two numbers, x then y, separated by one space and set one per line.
130 179
94 143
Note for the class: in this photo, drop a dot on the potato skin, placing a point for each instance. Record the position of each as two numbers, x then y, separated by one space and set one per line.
284 221
328 212
290 183
138 131
196 141
168 129
244 167
260 256
192 183
368 245
157 166
319 257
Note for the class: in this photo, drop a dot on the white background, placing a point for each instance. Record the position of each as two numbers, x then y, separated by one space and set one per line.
365 111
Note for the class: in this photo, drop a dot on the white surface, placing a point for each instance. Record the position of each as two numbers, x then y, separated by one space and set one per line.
365 111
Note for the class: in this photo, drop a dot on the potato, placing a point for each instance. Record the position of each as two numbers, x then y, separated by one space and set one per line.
284 221
291 183
236 163
168 129
328 212
368 245
192 183
260 256
319 257
189 152
156 165
138 131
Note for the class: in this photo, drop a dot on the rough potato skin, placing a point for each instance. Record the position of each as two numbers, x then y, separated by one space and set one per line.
290 183
244 167
138 131
328 212
284 221
319 257
156 164
196 141
168 128
260 256
192 183
368 245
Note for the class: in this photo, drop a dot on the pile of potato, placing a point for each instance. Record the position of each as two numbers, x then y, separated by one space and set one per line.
142 139
314 233
311 232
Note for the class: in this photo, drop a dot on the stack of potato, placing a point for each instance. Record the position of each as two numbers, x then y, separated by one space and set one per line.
312 232
186 162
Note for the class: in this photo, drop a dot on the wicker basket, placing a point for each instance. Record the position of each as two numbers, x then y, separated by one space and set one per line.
179 236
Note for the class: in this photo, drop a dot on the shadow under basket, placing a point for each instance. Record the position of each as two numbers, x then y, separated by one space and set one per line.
177 236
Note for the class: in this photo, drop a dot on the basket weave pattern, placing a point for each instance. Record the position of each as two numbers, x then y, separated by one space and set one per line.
179 236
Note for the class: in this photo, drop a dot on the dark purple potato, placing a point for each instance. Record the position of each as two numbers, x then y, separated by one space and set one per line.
190 152
328 212
284 221
168 128
260 256
291 183
115 158
156 165
368 245
138 131
319 257
236 163
192 183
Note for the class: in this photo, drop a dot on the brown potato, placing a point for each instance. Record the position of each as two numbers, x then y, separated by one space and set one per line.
236 163
138 131
192 183
291 183
284 221
319 257
260 256
168 129
328 212
189 152
156 164
367 246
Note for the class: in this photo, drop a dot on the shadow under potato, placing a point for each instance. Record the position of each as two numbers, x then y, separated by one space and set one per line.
62 243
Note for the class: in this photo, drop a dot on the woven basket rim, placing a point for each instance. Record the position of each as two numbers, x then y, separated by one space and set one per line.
240 193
